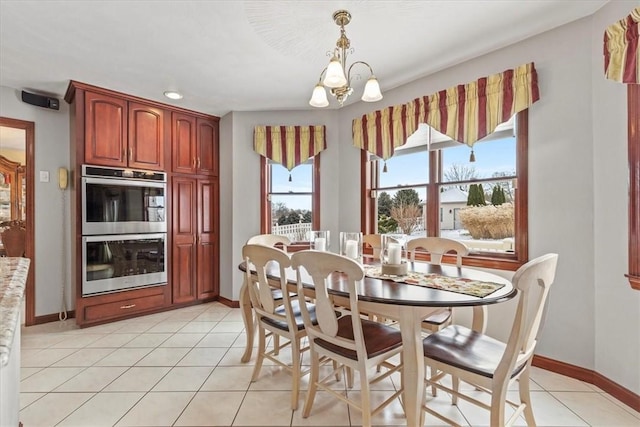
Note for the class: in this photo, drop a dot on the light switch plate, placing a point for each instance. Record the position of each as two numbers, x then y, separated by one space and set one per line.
44 176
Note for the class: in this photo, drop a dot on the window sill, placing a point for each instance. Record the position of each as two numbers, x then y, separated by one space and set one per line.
505 262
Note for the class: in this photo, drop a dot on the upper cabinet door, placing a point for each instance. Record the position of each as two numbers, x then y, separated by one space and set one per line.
183 143
105 139
146 137
207 159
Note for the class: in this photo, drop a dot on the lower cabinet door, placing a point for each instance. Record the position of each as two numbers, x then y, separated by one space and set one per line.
207 267
184 197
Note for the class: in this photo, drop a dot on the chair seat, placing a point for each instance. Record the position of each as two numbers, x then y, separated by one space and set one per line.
466 349
378 338
277 294
438 318
295 306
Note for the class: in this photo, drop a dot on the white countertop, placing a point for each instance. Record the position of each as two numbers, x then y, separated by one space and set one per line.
13 279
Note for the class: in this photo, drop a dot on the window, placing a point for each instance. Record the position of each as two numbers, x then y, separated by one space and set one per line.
290 207
427 188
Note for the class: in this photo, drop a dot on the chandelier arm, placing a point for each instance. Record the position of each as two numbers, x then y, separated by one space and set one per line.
351 66
322 73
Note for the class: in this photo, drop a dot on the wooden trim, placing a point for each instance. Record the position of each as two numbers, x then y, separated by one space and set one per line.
74 85
621 393
633 102
522 190
53 317
265 204
228 302
367 205
432 205
30 247
315 198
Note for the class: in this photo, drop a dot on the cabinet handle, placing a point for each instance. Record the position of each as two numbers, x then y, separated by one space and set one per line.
194 162
124 153
198 162
130 153
124 307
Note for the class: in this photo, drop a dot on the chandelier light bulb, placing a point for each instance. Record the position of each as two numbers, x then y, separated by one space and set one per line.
319 97
372 90
335 74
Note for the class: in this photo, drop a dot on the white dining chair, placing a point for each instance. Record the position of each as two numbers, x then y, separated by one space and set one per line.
275 318
491 365
353 342
436 247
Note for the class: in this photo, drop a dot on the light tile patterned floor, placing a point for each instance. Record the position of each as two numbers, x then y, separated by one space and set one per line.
182 368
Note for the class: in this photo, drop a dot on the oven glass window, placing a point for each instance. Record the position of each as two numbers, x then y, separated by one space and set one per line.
124 203
117 264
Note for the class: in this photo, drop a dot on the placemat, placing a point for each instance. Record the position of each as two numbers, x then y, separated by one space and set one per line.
471 287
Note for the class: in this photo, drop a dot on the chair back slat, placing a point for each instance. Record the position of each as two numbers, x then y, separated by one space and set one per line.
375 241
437 247
532 281
269 240
321 267
262 258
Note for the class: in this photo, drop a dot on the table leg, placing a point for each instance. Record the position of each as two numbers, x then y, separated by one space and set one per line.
247 318
413 359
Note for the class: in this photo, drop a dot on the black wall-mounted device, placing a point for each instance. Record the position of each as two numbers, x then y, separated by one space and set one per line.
41 100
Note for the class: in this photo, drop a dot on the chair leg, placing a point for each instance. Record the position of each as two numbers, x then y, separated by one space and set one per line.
350 375
313 383
276 344
295 365
455 385
334 363
260 355
525 397
365 397
497 407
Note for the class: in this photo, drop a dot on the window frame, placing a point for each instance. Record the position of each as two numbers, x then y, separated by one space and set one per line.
265 203
633 128
501 261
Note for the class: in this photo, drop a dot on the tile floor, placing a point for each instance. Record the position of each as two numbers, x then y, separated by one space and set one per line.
182 368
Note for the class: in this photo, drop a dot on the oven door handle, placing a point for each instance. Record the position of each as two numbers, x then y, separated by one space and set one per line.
129 182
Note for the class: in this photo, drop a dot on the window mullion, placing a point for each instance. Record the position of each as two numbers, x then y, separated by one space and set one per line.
432 205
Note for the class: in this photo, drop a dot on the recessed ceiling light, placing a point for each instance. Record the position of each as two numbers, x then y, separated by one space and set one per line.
173 94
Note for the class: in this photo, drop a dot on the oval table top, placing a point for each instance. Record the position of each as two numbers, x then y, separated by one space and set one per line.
390 292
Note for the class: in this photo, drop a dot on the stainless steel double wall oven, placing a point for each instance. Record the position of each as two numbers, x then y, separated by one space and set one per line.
124 229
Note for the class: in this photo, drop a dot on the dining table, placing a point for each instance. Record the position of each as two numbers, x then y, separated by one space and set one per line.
406 303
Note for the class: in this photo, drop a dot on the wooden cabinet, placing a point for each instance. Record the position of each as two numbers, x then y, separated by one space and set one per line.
194 145
118 130
123 133
195 240
147 136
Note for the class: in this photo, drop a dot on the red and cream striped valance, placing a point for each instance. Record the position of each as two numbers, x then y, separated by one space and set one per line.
289 145
466 113
622 49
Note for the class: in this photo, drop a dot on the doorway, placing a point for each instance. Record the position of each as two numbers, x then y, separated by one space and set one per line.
17 141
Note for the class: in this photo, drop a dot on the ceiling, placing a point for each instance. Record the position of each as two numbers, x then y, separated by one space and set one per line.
252 55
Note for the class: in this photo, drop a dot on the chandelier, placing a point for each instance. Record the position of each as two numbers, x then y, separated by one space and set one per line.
336 75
